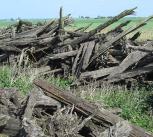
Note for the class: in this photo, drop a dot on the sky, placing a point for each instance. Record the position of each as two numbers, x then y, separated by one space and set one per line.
50 8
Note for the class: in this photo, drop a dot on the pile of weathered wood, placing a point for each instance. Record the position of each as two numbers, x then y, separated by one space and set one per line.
50 112
86 55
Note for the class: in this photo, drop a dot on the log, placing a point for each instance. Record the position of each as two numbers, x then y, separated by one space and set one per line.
103 117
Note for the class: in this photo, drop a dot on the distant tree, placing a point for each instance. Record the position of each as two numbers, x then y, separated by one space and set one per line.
87 17
110 17
11 19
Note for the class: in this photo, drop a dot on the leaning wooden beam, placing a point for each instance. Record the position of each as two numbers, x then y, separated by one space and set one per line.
85 28
63 55
75 34
108 44
43 28
103 117
100 27
135 36
119 26
130 60
130 74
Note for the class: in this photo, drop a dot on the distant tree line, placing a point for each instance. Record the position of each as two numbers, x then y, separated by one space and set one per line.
98 17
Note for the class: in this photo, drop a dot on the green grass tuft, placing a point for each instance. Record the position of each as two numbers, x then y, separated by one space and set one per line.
9 80
134 104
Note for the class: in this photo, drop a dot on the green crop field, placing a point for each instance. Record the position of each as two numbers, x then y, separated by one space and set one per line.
147 30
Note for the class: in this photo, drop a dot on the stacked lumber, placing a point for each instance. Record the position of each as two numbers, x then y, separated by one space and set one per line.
86 55
51 112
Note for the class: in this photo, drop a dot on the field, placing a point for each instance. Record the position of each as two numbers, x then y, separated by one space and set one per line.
147 30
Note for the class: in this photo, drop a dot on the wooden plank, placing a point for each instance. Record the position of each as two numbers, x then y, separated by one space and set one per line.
130 60
103 117
97 73
81 105
63 55
88 53
130 74
74 67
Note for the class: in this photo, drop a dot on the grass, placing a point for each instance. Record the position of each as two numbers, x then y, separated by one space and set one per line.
23 80
9 79
136 105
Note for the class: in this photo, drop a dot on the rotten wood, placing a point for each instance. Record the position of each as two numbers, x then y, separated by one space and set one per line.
104 117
